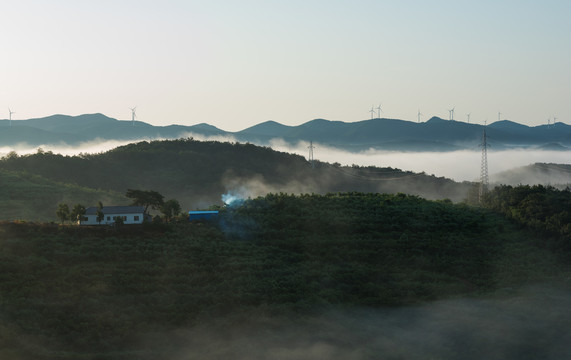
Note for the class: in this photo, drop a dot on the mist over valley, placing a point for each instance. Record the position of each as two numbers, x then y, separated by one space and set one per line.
440 147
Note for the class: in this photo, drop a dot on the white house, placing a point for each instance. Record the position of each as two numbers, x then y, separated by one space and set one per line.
129 214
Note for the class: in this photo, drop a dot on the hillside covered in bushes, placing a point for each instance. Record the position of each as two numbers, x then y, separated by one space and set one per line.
197 174
138 292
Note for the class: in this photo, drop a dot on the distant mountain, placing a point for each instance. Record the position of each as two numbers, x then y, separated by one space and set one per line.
435 134
74 130
68 124
392 134
508 125
268 128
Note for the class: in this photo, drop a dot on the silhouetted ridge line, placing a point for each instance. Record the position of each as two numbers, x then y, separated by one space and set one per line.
436 134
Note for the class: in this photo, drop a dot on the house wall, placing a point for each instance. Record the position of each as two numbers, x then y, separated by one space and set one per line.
110 219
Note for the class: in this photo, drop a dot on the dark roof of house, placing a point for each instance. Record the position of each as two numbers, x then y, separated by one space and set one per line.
109 210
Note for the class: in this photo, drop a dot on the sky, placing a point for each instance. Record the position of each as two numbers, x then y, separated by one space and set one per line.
234 64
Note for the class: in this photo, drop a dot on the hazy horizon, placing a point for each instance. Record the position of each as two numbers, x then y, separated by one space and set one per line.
236 64
15 121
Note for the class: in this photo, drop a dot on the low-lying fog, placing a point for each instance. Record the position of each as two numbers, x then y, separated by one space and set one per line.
530 325
456 165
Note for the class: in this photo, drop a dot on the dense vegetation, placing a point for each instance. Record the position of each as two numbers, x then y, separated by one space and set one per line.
197 174
69 292
544 209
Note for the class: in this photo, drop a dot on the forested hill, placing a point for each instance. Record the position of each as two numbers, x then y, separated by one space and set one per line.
279 270
198 173
558 175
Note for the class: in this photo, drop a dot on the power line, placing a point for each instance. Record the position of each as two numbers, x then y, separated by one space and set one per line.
311 160
484 178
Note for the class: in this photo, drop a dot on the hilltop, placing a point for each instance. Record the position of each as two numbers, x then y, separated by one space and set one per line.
435 134
557 175
198 173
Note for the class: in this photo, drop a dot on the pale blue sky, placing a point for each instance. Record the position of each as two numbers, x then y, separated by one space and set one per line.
234 64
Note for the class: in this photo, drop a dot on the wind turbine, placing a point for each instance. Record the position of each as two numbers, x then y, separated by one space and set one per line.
451 113
468 117
11 112
133 115
379 110
372 111
499 116
419 115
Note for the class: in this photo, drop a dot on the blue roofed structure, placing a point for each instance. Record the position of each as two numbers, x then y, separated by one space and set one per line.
202 215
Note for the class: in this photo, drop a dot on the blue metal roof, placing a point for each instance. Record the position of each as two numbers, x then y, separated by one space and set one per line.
202 212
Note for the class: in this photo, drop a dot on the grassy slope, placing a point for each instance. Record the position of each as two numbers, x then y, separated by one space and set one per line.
73 293
26 196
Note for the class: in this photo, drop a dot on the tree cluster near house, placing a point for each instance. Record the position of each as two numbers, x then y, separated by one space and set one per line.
136 213
170 209
146 198
75 215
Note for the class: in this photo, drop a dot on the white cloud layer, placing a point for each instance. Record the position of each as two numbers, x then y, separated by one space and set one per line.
456 165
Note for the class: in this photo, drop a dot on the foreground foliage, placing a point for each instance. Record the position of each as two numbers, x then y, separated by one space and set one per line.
544 209
93 293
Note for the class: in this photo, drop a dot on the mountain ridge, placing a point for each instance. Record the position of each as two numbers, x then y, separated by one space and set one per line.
378 133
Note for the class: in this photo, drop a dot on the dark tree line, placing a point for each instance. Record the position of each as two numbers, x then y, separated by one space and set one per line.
74 215
544 209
